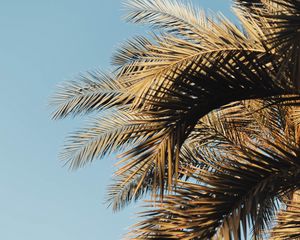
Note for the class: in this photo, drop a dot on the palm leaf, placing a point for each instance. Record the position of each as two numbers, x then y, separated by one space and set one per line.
281 22
288 222
92 92
176 79
109 133
123 191
241 191
182 99
172 16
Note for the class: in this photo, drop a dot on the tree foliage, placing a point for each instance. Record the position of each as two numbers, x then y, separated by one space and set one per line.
205 115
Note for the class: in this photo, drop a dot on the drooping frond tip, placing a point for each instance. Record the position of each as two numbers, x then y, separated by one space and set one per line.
91 92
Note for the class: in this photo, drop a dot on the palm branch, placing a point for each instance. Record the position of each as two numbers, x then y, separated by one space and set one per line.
93 91
288 222
165 76
229 193
184 97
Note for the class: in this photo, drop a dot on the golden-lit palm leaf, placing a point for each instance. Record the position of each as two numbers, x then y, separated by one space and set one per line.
127 188
110 132
172 16
195 65
172 53
164 61
191 95
287 225
243 190
220 132
176 78
280 20
91 92
131 50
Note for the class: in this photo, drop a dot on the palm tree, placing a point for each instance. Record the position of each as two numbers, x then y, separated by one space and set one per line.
205 117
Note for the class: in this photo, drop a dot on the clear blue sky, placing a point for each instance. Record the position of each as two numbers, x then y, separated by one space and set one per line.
43 43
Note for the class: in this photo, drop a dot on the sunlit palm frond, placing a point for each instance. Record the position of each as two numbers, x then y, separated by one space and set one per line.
172 58
219 131
172 16
159 153
131 51
149 167
181 104
281 22
177 79
186 105
239 192
127 187
106 134
287 225
169 55
92 92
201 100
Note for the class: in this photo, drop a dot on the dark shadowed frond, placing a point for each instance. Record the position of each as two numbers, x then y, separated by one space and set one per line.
220 130
280 20
238 191
294 116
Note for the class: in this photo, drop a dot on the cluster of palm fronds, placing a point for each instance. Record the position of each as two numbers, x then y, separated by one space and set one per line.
206 116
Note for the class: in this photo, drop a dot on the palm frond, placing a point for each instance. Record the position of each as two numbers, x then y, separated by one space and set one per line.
125 188
175 80
92 92
160 152
240 191
171 16
281 22
287 225
219 131
172 54
131 50
106 134
181 101
201 100
165 63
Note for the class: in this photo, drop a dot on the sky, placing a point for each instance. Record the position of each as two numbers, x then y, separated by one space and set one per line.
43 43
